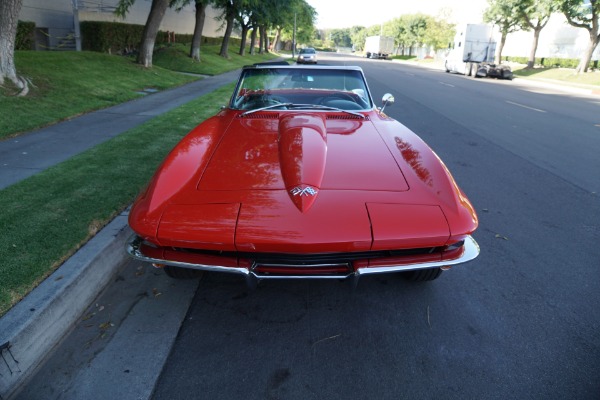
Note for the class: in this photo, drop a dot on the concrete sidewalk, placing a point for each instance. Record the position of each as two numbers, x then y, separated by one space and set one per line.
28 154
37 324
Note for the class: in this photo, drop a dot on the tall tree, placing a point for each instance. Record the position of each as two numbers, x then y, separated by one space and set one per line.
245 22
155 17
9 19
198 27
503 14
230 10
534 15
439 33
200 16
584 14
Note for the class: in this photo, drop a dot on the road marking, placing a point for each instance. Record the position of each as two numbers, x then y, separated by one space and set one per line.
529 108
446 84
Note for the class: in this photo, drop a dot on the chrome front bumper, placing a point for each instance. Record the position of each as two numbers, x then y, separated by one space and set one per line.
470 252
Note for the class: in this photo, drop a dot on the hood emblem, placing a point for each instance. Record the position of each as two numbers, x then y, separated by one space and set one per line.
303 191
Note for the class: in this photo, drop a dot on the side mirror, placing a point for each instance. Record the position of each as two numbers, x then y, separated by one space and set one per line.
387 99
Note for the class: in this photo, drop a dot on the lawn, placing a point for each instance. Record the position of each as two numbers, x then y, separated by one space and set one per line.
65 84
175 57
565 75
47 217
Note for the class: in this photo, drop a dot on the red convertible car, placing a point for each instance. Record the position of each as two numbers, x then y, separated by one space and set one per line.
301 176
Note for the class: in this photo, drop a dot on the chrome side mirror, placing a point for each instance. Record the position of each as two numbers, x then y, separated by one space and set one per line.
387 99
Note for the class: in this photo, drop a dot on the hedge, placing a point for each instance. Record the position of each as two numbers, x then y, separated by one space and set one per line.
547 62
120 38
25 39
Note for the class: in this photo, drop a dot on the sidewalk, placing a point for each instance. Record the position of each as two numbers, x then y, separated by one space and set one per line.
28 154
36 325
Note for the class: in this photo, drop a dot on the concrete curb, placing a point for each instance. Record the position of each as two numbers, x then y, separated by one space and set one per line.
37 324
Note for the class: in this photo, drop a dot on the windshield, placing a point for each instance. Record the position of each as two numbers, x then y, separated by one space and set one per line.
292 87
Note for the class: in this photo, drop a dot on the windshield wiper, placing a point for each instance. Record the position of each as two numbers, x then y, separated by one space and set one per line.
322 107
267 108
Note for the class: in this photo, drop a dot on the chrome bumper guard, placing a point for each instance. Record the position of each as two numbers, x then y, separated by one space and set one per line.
471 251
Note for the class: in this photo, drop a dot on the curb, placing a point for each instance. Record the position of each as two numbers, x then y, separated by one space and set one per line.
37 324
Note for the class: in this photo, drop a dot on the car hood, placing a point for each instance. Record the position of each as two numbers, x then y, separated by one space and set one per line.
304 182
302 153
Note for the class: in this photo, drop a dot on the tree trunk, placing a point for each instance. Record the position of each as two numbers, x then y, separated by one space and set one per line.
501 47
262 38
253 40
534 45
584 62
197 38
157 12
245 29
225 44
276 39
9 18
267 44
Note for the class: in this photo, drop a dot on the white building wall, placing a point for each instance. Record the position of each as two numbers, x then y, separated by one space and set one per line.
173 21
557 39
56 17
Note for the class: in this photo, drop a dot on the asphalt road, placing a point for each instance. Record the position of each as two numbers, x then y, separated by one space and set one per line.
519 322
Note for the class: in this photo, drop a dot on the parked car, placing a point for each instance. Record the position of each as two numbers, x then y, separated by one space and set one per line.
301 176
307 55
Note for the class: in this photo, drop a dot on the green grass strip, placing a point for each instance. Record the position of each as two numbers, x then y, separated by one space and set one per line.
47 217
175 57
66 84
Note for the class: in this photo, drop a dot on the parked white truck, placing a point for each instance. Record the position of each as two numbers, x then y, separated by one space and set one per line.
473 52
379 46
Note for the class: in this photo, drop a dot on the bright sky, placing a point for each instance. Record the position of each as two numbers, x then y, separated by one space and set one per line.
348 13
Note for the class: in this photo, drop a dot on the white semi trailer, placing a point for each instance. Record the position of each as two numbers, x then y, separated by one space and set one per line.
379 46
473 51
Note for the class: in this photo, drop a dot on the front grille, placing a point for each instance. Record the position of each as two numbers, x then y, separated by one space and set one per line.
337 269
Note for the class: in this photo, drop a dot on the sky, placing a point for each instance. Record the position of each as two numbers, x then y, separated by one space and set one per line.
348 13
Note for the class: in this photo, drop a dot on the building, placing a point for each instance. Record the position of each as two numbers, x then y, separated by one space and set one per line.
57 26
558 39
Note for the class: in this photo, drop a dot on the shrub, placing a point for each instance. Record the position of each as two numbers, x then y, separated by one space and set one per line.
548 62
24 39
120 38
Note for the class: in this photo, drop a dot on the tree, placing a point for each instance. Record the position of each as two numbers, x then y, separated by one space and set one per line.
198 27
535 14
9 19
503 14
155 17
358 34
439 33
584 14
244 20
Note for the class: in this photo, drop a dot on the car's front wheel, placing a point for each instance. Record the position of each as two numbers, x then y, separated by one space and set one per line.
422 275
182 273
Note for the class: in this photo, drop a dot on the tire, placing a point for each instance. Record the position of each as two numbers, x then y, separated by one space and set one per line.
182 273
423 275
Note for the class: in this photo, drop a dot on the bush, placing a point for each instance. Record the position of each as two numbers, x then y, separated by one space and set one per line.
25 39
547 62
120 38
